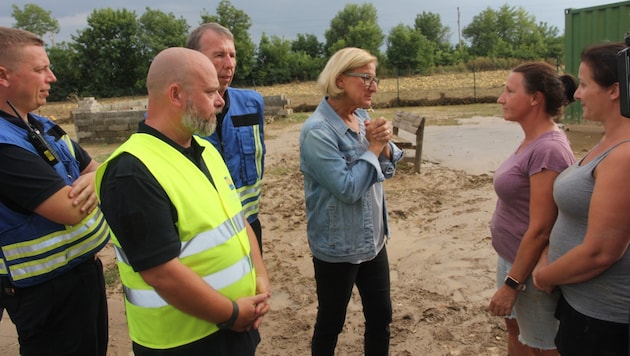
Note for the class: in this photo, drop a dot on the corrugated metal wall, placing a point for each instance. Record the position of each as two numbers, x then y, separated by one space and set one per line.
583 27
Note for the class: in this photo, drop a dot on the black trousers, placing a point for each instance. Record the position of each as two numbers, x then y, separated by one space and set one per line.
581 335
221 343
64 316
334 288
258 232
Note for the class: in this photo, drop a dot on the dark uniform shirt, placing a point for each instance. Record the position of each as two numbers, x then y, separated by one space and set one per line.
26 180
139 211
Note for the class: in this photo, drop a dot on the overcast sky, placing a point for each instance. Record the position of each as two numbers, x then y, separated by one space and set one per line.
287 18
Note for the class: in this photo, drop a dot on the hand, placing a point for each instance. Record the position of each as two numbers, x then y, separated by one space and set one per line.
251 312
537 277
83 193
378 133
379 130
262 287
540 284
502 301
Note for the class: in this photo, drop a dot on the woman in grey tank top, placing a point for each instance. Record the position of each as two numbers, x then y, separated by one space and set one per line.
587 255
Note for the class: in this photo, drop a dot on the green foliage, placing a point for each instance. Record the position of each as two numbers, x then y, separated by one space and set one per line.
108 55
276 63
35 19
309 44
239 23
511 33
62 62
272 60
430 25
408 51
355 26
157 31
112 277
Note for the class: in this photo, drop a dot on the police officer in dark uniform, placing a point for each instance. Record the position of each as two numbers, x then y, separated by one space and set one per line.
51 228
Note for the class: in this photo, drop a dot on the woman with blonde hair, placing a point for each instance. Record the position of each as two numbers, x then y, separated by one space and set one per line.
345 156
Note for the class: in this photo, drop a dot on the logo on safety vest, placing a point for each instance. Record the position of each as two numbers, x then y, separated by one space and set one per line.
228 181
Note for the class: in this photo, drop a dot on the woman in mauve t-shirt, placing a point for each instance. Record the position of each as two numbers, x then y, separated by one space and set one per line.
534 97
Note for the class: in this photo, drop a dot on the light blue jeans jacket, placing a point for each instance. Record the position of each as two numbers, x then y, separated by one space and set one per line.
339 172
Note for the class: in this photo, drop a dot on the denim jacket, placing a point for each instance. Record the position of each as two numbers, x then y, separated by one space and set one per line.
339 172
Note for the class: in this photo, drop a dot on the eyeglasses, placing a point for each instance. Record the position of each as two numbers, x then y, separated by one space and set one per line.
367 79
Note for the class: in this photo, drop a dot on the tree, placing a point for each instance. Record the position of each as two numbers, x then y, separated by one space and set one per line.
108 54
309 44
37 20
63 59
239 23
508 32
272 60
355 26
554 42
430 25
409 51
157 31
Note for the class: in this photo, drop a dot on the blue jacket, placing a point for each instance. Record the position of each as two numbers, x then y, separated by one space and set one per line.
34 249
340 175
242 145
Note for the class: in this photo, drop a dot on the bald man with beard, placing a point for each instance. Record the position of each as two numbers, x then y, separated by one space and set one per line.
193 284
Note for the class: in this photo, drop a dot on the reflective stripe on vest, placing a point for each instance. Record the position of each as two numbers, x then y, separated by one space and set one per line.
214 242
203 241
93 231
200 243
151 299
35 249
250 198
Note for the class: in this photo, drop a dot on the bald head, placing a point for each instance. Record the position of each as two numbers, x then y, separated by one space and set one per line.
184 96
179 66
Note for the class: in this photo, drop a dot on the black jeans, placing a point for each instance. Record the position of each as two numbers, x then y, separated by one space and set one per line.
334 288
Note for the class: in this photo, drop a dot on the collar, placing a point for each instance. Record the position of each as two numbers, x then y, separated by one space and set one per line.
19 122
194 151
331 116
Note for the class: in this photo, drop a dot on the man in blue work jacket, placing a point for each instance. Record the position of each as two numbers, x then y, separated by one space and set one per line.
239 134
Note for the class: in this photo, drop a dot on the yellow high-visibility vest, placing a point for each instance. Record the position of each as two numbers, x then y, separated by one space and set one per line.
214 241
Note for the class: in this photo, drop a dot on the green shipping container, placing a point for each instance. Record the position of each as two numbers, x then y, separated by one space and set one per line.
591 25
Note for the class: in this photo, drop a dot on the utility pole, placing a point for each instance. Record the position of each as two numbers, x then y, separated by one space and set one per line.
459 31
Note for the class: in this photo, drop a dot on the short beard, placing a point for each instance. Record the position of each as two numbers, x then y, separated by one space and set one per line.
197 124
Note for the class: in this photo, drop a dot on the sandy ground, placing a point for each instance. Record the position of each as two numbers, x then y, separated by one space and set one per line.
442 264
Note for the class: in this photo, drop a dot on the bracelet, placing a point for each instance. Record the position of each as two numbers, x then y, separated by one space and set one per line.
230 322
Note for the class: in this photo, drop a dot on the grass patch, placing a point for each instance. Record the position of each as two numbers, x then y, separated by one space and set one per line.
278 170
112 277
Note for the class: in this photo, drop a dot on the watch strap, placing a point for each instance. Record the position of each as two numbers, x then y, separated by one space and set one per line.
230 322
514 284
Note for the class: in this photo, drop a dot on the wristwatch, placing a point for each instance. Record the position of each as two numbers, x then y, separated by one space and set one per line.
514 284
230 322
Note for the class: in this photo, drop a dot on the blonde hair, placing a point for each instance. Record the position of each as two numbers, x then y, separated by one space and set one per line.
12 41
342 61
